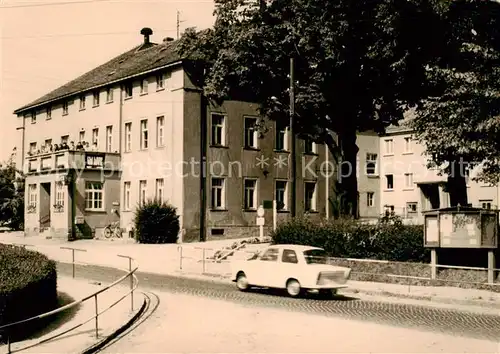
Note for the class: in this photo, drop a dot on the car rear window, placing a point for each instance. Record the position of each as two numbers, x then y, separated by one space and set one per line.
316 256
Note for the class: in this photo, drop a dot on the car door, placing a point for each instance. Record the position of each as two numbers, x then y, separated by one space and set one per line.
263 270
289 267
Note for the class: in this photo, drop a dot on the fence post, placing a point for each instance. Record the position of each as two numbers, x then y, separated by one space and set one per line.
179 248
73 257
131 284
8 342
203 260
491 267
96 318
433 264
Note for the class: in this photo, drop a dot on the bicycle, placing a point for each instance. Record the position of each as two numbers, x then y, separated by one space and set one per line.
113 230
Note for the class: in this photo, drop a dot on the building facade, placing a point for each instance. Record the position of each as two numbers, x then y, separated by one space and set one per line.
138 128
408 187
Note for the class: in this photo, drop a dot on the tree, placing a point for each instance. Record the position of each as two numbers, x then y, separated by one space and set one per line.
459 123
358 65
11 196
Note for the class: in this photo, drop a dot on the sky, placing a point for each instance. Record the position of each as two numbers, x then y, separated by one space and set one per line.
46 43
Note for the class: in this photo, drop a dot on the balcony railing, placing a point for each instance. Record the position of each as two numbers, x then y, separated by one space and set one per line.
68 159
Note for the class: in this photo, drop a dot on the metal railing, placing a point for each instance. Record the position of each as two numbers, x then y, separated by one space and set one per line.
204 256
130 274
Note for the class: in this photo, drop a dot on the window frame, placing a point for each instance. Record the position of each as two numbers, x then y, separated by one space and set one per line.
128 137
222 189
387 188
144 138
144 86
285 195
128 89
48 112
255 199
96 98
251 133
160 128
109 138
310 147
95 137
371 158
389 142
127 191
93 192
143 192
109 95
370 199
222 127
314 198
59 195
160 190
32 195
409 181
65 108
83 102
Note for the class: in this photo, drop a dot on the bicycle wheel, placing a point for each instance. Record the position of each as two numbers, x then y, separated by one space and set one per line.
108 232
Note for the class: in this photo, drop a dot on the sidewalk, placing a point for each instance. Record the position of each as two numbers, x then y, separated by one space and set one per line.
165 259
78 340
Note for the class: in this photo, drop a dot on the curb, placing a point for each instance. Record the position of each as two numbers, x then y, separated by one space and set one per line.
99 345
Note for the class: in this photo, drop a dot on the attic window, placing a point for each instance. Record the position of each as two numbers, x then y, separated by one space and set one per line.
112 73
121 61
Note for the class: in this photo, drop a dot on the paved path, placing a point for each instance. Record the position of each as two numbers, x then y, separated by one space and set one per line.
165 259
192 324
410 315
83 337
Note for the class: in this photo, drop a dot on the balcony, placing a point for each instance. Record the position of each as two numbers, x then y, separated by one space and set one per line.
68 159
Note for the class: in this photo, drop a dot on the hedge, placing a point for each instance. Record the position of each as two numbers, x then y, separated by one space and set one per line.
28 287
156 222
347 238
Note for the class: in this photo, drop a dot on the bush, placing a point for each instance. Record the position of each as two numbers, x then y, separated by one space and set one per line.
156 222
28 287
348 238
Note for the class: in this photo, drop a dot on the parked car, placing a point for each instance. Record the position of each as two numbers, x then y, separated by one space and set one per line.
295 268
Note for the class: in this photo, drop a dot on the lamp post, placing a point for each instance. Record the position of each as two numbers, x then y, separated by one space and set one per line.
293 170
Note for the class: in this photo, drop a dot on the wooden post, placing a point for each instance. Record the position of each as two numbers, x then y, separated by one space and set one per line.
433 264
491 266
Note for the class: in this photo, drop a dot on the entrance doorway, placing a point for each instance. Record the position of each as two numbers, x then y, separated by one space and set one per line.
45 198
430 194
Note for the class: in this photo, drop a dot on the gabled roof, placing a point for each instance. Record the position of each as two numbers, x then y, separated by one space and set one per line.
141 59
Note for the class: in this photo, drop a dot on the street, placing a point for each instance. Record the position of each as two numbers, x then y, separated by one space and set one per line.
190 317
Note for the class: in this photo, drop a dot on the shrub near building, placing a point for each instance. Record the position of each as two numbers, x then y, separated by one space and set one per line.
28 287
346 238
156 222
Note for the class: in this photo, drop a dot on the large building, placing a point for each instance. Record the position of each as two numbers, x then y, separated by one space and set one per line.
408 187
137 128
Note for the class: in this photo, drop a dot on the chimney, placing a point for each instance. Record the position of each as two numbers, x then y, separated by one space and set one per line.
168 39
146 32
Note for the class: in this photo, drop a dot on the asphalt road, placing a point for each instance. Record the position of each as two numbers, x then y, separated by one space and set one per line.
434 319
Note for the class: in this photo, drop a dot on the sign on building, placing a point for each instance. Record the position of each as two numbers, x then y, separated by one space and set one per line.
94 160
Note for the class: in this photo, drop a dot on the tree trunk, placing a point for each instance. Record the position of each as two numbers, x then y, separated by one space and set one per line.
348 178
457 185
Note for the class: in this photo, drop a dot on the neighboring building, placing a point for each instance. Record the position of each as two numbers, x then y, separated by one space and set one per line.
145 128
369 176
408 187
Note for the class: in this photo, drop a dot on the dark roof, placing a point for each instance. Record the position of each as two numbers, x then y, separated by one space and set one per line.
143 58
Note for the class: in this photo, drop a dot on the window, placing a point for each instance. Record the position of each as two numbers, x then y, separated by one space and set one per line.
281 195
126 195
289 256
48 142
486 204
48 112
32 148
310 196
32 195
309 146
95 137
33 117
371 164
94 196
389 146
218 130
64 139
281 143
142 191
128 90
251 133
128 137
160 131
59 202
218 195
109 138
144 86
82 102
409 180
250 196
271 255
65 109
370 199
144 134
109 94
96 98
389 182
160 81
159 190
81 136
408 144
411 207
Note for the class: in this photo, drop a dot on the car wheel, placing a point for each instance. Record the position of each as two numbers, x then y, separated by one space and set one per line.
293 287
242 281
